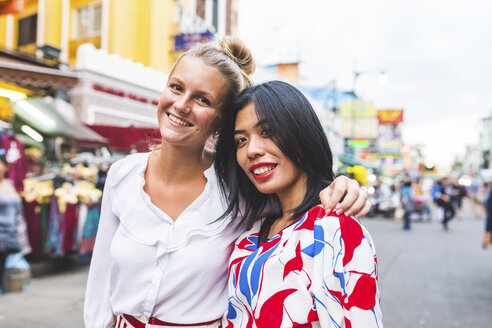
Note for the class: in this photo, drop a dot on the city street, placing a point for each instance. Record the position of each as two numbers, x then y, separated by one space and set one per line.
428 278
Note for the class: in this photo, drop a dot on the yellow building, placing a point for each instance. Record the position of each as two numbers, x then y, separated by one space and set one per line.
141 30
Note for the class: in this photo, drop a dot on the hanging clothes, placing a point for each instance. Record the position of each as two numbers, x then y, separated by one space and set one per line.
70 228
53 244
33 219
90 230
14 150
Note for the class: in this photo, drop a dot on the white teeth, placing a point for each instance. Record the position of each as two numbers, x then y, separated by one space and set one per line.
263 170
177 120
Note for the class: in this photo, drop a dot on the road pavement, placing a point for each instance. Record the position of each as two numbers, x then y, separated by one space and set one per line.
428 278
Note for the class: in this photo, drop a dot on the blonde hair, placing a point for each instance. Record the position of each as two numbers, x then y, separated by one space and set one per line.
231 58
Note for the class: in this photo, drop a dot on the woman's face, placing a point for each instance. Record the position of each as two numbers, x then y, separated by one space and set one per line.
188 109
261 159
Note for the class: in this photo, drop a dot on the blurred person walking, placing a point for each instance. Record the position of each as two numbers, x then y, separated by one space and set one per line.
161 252
10 214
407 202
443 200
487 237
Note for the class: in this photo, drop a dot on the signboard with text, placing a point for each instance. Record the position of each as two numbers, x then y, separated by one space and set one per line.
390 116
185 41
357 108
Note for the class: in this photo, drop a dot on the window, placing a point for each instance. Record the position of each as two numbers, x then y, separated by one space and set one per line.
87 21
27 30
215 14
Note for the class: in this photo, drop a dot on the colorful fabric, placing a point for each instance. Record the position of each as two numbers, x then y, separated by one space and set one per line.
17 159
33 220
319 271
70 228
89 230
53 239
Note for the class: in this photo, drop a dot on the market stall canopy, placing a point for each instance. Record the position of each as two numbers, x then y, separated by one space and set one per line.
33 76
45 118
129 137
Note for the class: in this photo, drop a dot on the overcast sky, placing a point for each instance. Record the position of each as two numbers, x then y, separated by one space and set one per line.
437 54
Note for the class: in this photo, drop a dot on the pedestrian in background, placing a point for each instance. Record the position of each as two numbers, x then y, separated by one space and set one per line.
487 238
301 266
161 253
443 197
407 202
10 214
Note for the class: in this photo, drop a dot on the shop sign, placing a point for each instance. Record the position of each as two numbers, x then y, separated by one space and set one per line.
185 41
359 143
386 155
11 7
390 116
388 133
357 108
120 93
359 127
389 146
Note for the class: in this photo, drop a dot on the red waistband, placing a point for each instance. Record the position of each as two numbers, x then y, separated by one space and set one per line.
154 321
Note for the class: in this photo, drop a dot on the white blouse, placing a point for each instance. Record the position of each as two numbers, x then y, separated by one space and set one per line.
146 264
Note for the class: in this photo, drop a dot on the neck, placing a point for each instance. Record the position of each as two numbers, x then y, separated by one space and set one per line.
178 164
292 197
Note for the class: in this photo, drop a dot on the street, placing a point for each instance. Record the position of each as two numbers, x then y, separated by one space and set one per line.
428 278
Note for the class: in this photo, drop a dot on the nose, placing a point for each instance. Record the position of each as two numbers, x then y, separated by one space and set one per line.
182 104
255 147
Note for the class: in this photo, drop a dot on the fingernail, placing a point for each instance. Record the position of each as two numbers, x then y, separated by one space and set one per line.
327 210
348 213
339 211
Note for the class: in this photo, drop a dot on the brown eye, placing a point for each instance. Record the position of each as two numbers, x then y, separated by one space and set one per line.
240 141
266 132
176 87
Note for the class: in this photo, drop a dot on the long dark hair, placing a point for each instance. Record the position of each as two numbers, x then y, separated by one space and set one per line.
298 133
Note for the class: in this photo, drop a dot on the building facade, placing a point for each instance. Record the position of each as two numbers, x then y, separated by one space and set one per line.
119 50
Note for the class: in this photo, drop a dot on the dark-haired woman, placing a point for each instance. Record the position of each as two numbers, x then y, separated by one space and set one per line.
298 266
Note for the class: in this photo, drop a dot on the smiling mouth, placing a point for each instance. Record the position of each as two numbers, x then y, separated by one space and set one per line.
263 170
177 120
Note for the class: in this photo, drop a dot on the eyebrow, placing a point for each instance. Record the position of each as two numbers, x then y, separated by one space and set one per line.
260 123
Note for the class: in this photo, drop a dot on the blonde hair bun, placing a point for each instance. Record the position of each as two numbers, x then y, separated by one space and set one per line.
235 49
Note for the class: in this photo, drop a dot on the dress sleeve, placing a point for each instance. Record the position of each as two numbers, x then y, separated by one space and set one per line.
346 272
98 312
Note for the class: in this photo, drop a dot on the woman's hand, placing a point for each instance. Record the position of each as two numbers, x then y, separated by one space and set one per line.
354 202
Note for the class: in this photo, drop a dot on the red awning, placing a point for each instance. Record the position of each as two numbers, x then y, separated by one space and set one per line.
128 138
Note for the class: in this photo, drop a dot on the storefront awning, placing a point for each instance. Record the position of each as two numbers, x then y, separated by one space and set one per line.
31 76
44 118
129 137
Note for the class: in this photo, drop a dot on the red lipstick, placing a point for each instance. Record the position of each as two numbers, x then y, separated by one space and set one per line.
265 175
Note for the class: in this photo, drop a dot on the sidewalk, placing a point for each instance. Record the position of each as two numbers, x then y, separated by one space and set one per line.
54 301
